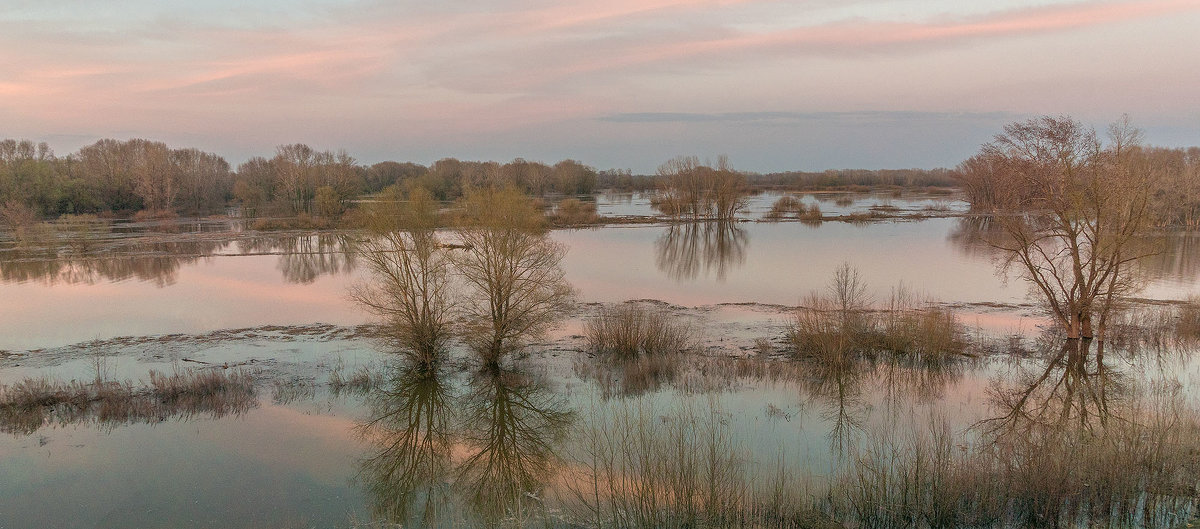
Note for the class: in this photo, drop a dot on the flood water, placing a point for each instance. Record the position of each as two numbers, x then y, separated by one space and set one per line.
463 446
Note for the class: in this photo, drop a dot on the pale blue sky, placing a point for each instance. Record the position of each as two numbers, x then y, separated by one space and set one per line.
613 83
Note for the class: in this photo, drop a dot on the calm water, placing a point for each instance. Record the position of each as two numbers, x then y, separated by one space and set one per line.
301 454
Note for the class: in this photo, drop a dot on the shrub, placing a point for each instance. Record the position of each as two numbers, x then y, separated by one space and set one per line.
630 330
786 206
573 211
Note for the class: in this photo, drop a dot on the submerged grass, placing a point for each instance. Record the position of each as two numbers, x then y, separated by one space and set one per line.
33 403
1141 469
642 347
844 321
644 467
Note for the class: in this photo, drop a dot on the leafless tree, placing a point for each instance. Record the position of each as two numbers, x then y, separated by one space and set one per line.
411 287
691 189
511 268
203 178
1068 209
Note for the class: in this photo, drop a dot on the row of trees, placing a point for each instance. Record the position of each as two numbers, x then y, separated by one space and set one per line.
111 175
137 175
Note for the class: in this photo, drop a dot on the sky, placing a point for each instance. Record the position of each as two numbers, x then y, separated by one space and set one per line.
775 85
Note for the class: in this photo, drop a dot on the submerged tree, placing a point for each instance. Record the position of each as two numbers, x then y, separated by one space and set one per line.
512 269
411 288
1068 209
691 189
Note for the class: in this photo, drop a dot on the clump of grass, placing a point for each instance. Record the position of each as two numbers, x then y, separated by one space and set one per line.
360 382
844 320
911 326
812 214
643 348
575 212
786 206
631 329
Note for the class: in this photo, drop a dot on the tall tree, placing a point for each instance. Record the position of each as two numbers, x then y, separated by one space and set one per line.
1069 209
512 269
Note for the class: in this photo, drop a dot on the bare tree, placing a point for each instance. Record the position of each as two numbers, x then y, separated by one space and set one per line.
293 166
203 178
692 189
411 286
154 174
512 270
1068 211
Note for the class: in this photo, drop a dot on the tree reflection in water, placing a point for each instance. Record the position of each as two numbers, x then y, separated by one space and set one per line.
152 262
492 446
410 427
302 258
686 250
1074 389
837 382
512 426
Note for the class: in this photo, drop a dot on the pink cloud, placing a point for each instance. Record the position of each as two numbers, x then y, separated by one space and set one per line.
856 37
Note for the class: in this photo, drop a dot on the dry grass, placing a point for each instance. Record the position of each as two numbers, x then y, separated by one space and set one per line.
575 212
1188 326
1143 471
786 206
642 467
632 329
34 403
361 381
921 480
1170 327
844 320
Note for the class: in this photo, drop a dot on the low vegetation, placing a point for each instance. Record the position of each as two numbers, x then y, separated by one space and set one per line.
1139 472
640 466
574 212
632 329
33 403
790 207
843 321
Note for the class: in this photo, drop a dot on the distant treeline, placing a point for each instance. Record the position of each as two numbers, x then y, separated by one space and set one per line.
132 176
149 178
1173 177
838 178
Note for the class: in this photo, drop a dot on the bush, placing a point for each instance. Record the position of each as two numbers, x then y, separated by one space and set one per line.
573 211
787 206
844 321
630 330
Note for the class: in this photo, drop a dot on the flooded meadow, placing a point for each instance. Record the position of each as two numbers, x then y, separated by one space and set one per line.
867 369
